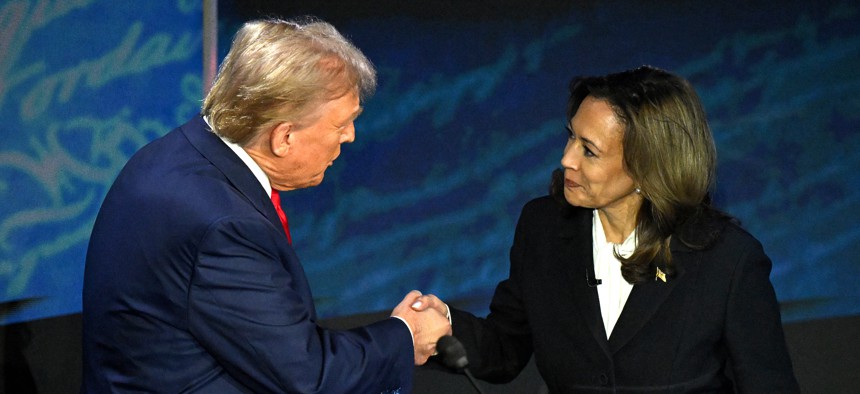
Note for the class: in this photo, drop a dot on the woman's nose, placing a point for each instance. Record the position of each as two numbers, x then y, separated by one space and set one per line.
568 158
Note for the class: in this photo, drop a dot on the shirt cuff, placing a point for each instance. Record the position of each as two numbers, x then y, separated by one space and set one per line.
409 328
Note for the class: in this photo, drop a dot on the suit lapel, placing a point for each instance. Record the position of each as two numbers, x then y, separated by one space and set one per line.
575 248
645 299
237 173
243 180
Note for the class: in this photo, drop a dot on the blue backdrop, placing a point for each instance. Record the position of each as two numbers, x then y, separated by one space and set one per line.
466 126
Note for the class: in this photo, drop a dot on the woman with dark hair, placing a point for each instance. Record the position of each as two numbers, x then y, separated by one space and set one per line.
625 279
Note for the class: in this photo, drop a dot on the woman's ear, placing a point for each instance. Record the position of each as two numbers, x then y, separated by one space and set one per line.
280 139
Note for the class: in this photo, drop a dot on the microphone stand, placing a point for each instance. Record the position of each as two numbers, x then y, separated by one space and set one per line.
454 357
472 380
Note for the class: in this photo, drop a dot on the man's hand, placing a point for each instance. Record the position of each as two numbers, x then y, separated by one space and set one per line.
427 326
430 301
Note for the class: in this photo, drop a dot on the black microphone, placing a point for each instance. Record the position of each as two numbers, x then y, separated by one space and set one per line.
454 356
592 282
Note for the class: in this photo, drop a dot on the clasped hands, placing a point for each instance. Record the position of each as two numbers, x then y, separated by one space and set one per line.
426 316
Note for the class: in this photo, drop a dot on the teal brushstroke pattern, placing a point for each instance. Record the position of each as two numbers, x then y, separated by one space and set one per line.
466 126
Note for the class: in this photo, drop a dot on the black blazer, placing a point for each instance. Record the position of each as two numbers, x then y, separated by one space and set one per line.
713 327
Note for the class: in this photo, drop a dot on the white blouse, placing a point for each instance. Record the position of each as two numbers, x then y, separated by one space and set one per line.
613 290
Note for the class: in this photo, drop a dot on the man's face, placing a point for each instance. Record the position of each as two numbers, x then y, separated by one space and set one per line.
314 146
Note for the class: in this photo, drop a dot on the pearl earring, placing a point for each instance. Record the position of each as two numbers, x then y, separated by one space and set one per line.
638 191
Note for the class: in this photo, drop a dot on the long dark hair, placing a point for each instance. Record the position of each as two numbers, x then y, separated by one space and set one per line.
669 153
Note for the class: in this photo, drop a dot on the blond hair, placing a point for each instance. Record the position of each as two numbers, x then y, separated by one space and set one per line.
279 70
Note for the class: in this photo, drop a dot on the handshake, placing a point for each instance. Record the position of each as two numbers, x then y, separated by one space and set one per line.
427 317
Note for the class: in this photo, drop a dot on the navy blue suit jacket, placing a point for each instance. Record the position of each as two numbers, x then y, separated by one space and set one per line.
191 286
714 327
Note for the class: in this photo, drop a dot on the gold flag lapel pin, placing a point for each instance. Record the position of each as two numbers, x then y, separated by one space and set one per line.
660 275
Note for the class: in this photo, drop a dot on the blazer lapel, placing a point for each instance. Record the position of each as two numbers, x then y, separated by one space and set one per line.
644 300
222 157
576 253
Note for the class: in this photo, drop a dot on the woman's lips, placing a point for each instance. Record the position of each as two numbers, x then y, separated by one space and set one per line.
569 183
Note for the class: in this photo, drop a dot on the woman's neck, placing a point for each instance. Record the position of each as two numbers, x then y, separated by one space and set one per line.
619 221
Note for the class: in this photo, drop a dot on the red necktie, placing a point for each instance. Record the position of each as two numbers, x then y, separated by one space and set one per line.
276 201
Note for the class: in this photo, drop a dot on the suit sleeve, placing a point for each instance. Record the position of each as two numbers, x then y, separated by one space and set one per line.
754 334
245 311
499 347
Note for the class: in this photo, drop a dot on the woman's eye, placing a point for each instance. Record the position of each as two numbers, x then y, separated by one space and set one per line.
588 153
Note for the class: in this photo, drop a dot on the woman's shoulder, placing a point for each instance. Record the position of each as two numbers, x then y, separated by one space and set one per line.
541 204
720 232
550 206
734 235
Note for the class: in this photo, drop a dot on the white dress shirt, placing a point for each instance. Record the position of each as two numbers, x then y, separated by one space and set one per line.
246 158
614 290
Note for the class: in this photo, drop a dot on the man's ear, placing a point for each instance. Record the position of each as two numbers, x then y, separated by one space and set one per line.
280 139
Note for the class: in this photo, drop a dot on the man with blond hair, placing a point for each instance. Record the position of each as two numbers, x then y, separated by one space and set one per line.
191 281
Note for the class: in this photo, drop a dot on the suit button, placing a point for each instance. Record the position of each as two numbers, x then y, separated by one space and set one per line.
604 379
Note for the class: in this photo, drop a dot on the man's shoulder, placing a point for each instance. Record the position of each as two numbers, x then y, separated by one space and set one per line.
165 147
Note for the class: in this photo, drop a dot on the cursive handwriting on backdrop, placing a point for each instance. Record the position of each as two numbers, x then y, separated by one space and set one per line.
64 137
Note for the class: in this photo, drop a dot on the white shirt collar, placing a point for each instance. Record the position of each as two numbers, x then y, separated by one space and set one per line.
246 158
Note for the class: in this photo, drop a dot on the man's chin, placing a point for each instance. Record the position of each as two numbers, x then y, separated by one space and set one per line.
316 181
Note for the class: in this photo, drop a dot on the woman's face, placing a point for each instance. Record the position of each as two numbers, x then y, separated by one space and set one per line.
594 175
